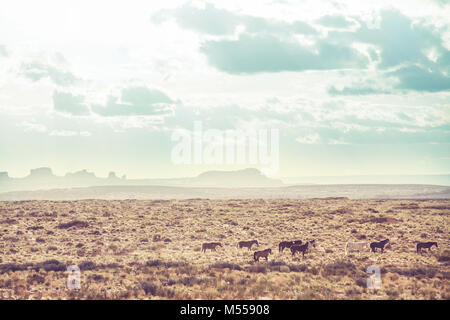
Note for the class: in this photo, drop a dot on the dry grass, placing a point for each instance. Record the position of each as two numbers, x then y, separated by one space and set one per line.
151 249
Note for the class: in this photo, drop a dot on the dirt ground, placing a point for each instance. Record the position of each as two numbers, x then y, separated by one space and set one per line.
151 249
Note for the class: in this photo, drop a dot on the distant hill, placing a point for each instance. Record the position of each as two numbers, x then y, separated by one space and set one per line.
43 178
292 192
240 178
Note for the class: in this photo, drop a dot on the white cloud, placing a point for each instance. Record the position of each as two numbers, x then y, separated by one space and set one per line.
309 139
33 127
69 133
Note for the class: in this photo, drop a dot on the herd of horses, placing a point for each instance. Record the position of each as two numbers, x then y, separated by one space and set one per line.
303 247
373 246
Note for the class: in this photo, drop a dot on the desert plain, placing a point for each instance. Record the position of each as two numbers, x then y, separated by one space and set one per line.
151 249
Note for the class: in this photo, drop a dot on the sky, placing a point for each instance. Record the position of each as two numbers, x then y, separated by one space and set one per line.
353 87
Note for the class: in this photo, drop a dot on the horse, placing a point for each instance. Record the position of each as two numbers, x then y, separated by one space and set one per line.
356 246
211 245
312 243
247 244
263 253
288 244
380 244
300 248
426 245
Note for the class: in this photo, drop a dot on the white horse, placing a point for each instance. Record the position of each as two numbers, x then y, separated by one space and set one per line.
356 246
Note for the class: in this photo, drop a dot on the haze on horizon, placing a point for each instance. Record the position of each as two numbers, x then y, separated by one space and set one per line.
354 88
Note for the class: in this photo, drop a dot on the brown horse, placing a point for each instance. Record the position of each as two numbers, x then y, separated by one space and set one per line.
263 253
426 245
287 244
300 248
211 245
247 244
380 244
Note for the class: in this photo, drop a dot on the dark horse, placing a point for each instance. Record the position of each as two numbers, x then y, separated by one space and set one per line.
380 244
312 243
288 244
426 245
211 245
247 244
263 253
299 248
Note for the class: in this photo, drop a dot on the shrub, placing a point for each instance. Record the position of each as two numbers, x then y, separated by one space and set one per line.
50 265
378 219
339 268
35 278
169 264
224 265
444 257
415 272
298 268
87 265
361 282
190 281
74 223
35 228
9 221
149 288
13 267
257 269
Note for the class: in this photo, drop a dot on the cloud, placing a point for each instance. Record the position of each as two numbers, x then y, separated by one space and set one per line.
442 3
420 79
265 53
219 22
335 21
36 71
268 45
262 25
69 133
135 100
371 134
400 40
404 51
68 103
356 90
33 127
309 139
209 20
3 51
